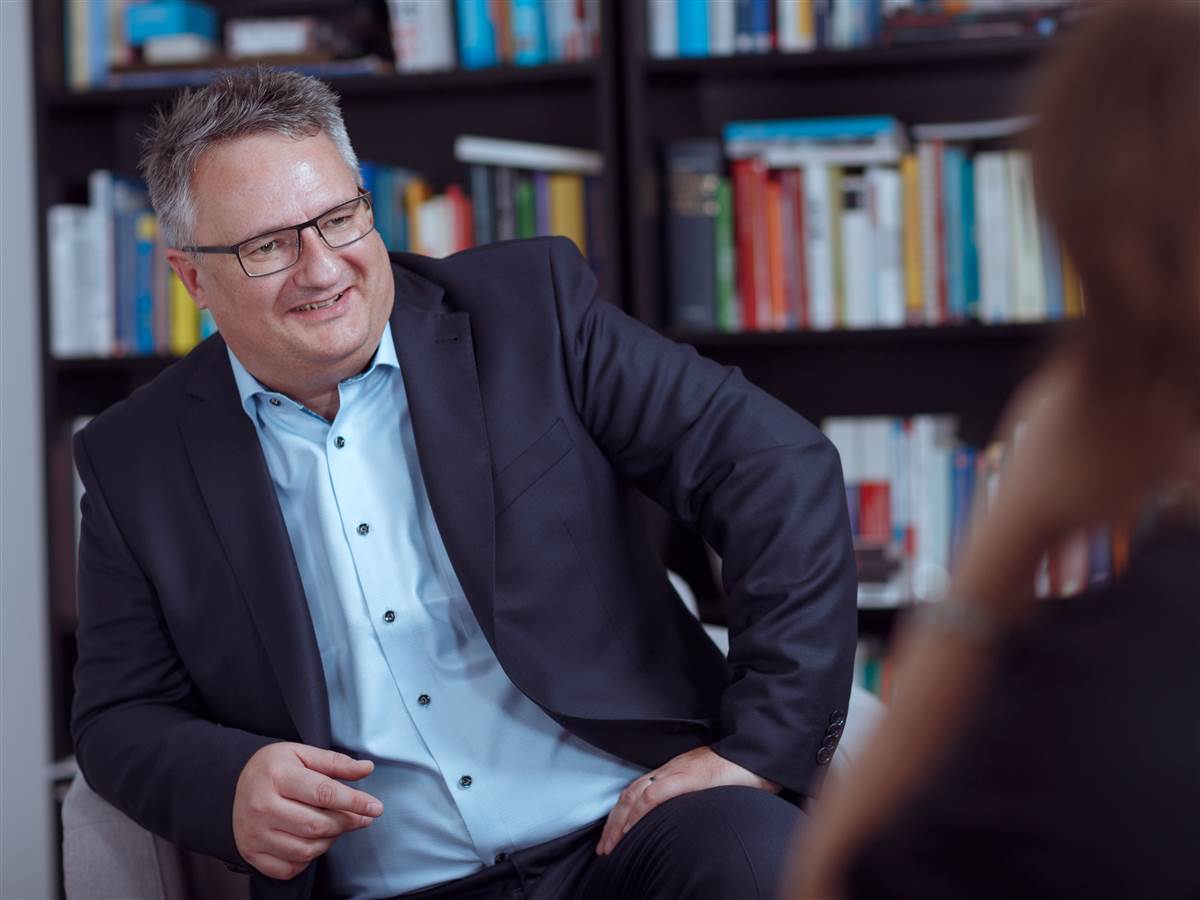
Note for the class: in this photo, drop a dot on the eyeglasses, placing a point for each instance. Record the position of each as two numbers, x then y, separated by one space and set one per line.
274 251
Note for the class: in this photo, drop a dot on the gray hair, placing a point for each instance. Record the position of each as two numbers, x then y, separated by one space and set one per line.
237 103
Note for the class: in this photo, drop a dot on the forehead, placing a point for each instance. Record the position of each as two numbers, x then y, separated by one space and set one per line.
261 181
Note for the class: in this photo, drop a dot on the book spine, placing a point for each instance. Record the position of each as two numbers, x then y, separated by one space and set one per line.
743 223
476 34
526 206
744 22
64 222
777 299
722 27
887 229
184 317
728 316
481 196
837 203
953 218
1031 290
914 307
692 21
663 28
528 32
764 34
969 240
822 309
506 203
1052 271
858 258
789 249
693 172
800 311
567 209
541 202
145 229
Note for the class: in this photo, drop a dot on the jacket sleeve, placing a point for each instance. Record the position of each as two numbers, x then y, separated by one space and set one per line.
141 738
762 485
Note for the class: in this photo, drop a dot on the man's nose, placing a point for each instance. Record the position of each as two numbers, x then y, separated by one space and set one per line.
318 266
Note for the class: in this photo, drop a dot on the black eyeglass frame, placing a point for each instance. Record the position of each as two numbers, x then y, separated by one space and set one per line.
311 223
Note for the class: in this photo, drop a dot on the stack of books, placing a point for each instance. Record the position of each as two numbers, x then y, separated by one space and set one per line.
113 294
844 223
697 28
911 489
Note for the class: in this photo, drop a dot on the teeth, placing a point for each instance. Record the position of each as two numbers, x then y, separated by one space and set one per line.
321 305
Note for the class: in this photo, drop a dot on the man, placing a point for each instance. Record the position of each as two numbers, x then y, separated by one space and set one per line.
389 510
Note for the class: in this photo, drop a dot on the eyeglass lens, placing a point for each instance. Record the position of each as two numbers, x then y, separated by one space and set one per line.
342 225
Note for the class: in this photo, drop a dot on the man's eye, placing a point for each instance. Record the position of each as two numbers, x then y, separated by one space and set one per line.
265 247
338 222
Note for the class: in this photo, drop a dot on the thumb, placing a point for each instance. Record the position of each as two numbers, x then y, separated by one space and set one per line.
334 764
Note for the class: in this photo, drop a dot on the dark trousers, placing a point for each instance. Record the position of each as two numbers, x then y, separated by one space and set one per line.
726 843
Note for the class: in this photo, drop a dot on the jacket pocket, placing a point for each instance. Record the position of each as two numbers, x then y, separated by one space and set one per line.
535 461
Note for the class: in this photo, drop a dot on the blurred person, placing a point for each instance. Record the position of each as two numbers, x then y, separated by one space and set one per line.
1053 749
381 530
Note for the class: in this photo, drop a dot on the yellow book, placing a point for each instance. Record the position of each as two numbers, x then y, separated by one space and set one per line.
1072 287
183 317
416 192
837 203
566 209
911 179
806 24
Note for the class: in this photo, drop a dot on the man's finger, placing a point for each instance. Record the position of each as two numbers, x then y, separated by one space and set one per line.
616 818
334 764
314 789
662 790
312 823
292 849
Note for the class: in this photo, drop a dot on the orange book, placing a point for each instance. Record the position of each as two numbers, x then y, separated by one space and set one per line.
775 256
1072 287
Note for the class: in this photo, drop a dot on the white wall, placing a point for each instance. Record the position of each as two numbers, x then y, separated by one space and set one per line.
26 806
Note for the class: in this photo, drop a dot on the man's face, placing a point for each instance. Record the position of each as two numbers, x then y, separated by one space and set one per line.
251 185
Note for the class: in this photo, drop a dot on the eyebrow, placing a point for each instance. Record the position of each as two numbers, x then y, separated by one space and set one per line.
292 225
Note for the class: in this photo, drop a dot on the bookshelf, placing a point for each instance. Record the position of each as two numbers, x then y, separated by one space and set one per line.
623 105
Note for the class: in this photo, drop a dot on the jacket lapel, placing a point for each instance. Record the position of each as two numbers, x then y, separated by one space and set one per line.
231 470
437 359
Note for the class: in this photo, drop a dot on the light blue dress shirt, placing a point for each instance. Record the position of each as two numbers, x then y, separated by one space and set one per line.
466 766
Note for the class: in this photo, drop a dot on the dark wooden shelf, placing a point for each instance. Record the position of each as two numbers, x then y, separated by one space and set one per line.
1014 332
1020 50
583 74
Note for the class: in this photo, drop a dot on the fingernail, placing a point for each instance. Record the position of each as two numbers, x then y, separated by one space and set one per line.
374 808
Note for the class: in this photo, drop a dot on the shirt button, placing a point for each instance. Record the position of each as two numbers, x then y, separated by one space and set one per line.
275 401
364 528
339 442
500 857
424 700
465 781
389 617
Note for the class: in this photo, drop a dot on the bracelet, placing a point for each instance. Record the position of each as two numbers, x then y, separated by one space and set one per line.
959 617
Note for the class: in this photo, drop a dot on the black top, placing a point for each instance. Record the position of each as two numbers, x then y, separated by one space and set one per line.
1079 775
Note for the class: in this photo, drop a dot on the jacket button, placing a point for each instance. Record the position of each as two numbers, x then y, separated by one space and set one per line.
424 700
465 781
824 755
364 528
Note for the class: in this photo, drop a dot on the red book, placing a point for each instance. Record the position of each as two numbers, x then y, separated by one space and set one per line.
799 282
775 278
874 512
750 239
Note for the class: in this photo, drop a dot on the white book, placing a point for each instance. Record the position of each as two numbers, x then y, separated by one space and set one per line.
1029 294
930 449
991 234
67 227
822 307
662 26
524 155
858 265
931 195
99 308
722 27
886 203
790 155
422 34
794 35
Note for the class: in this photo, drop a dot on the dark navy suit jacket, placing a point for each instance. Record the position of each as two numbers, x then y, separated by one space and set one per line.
538 410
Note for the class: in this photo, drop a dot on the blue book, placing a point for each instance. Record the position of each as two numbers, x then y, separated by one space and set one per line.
1051 271
743 22
760 24
481 203
970 250
692 24
956 294
830 128
381 204
98 41
143 283
530 43
476 35
962 489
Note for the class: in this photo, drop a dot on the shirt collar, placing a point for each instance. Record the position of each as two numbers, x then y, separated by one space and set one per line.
249 387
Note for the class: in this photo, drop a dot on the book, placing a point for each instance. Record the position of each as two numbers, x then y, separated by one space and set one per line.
693 174
525 155
914 307
692 22
422 34
663 28
477 46
885 204
722 27
69 235
529 38
818 221
728 310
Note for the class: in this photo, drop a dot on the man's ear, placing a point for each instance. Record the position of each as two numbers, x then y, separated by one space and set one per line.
189 273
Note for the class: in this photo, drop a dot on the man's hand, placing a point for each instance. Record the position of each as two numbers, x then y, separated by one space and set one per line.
288 810
695 770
